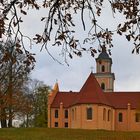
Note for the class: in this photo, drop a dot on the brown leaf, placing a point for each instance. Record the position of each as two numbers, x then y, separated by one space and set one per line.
42 18
84 49
55 21
128 37
92 54
94 51
119 32
79 53
70 56
23 12
119 25
137 50
133 51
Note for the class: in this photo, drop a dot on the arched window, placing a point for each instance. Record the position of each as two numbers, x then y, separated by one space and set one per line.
120 117
103 68
104 114
103 86
56 113
66 114
109 115
89 113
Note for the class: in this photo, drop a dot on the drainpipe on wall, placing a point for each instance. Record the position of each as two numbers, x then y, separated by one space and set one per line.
81 116
61 115
128 116
69 118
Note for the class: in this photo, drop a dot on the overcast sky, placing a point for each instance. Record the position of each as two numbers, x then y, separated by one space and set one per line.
126 66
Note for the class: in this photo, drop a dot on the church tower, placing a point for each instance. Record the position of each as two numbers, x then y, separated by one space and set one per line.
103 73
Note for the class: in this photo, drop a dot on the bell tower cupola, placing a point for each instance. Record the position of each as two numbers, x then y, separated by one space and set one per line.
103 73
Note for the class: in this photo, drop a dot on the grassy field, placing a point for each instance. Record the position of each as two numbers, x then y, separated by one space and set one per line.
64 134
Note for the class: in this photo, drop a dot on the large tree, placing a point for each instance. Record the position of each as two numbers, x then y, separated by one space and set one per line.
37 94
60 19
14 72
40 106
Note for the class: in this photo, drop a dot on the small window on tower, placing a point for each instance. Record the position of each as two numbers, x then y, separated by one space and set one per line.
103 86
103 68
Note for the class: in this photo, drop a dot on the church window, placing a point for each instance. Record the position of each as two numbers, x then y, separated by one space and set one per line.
56 113
103 68
137 117
120 117
89 113
66 124
56 124
66 114
109 115
104 114
103 86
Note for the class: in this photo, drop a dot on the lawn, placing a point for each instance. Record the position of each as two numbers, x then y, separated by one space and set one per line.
64 134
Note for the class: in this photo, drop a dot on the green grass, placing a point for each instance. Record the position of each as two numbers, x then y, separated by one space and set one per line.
64 134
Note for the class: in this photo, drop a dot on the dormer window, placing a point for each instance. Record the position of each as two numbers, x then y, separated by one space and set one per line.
103 86
103 68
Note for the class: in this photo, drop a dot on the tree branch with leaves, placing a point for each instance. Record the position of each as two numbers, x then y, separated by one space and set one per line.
60 19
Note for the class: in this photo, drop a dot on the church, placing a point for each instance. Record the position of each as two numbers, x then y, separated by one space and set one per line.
96 105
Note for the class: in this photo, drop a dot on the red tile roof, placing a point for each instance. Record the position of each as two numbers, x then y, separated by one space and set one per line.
67 98
121 99
92 93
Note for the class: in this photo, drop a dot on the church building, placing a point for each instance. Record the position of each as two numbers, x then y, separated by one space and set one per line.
96 105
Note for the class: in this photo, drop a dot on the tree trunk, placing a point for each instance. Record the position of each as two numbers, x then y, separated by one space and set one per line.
10 107
10 92
3 119
27 120
10 118
3 123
